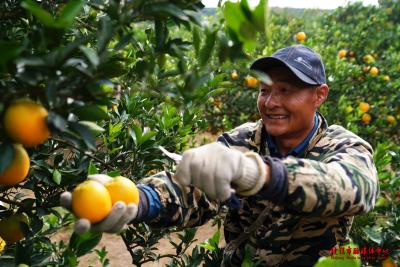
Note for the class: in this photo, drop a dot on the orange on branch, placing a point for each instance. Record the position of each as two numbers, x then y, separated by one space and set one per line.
342 53
19 168
10 228
300 36
374 71
366 118
364 107
251 82
234 75
25 122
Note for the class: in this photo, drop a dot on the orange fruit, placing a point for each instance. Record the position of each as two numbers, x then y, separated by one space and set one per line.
386 78
2 244
366 118
25 122
19 168
300 36
369 59
374 71
234 75
342 53
388 262
91 200
10 228
122 189
391 119
250 81
364 107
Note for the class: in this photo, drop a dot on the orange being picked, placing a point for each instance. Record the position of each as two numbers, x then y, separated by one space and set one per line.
25 122
10 228
364 107
19 168
122 189
91 200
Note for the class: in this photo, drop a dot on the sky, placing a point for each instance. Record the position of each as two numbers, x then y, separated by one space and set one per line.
321 4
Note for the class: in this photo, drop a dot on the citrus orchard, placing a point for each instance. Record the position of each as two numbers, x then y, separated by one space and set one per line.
25 122
91 200
19 168
122 189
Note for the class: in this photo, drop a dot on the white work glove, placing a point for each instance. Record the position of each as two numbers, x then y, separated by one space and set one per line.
120 214
214 168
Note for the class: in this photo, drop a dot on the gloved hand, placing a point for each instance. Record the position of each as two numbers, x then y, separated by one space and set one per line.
214 168
119 216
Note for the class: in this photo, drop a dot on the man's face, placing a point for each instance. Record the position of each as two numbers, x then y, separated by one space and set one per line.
287 106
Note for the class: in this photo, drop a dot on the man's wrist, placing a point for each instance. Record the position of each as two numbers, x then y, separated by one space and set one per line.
253 175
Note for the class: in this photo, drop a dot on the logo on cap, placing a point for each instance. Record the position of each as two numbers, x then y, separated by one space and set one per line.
302 61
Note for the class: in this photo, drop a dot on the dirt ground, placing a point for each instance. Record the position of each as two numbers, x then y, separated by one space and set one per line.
119 256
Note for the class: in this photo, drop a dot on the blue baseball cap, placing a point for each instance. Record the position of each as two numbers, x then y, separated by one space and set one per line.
304 62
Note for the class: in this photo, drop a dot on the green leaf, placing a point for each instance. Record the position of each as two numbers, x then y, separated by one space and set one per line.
92 169
7 154
85 133
207 49
82 244
71 10
90 113
42 15
373 235
93 127
56 176
196 39
166 9
136 134
91 55
9 50
146 136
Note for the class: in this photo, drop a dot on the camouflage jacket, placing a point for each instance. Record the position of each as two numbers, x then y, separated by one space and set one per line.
330 182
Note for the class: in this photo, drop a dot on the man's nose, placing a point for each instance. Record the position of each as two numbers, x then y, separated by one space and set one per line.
273 100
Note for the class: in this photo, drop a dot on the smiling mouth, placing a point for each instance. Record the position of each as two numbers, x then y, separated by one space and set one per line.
277 117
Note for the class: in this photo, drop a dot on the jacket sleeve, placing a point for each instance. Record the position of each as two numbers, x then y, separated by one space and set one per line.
338 178
180 205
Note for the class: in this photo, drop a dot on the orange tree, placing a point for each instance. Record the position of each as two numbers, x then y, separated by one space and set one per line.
111 80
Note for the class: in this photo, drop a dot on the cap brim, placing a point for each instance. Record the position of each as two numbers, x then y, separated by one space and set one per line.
266 63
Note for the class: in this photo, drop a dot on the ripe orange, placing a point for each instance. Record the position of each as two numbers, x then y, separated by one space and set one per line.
366 118
234 75
91 200
388 262
369 59
250 81
2 244
374 71
342 53
364 107
19 168
122 189
391 119
386 78
300 36
25 122
10 228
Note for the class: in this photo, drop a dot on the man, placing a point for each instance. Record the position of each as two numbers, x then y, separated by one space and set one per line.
299 181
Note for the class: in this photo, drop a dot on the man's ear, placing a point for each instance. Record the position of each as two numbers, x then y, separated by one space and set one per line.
321 92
